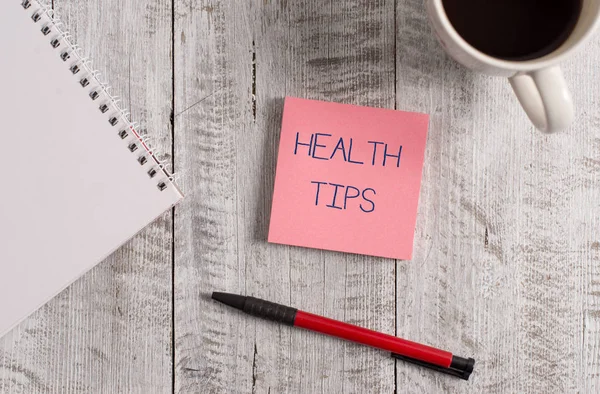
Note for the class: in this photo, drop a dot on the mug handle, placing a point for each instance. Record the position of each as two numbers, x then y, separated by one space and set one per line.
545 98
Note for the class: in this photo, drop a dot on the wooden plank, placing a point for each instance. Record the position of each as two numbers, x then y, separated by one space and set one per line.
211 350
506 259
111 330
227 139
580 175
343 52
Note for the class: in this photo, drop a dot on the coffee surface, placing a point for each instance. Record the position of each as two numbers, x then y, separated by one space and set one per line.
514 29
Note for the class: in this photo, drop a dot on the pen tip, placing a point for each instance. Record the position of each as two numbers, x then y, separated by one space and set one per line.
233 300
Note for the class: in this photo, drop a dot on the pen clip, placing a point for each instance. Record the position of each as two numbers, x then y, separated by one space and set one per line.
460 367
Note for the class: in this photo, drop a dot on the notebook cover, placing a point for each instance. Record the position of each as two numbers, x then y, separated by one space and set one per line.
71 192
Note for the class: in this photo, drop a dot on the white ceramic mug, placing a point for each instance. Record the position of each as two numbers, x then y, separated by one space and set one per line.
538 83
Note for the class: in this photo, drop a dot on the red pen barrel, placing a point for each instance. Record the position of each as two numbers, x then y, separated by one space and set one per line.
401 349
372 338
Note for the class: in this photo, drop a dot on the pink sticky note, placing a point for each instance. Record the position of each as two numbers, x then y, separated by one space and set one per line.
348 178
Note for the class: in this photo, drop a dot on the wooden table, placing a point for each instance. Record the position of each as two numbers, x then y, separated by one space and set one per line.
507 250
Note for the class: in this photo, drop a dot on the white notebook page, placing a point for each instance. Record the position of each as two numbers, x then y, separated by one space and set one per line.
71 192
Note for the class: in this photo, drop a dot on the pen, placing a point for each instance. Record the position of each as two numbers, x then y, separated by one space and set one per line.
425 356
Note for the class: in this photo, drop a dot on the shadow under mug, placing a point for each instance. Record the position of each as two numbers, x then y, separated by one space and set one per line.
538 83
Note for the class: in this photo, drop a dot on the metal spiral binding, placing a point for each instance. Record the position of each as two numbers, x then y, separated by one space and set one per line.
118 118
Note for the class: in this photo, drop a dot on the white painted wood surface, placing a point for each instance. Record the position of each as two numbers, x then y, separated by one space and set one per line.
507 249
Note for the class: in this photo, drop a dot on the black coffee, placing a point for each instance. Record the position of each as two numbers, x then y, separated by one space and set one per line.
514 29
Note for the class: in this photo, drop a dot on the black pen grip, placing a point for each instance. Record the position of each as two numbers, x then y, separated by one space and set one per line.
270 311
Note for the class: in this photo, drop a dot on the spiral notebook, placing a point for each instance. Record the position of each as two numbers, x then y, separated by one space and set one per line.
78 180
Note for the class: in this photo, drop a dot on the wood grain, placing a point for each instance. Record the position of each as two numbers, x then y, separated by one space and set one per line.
506 266
110 331
212 354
